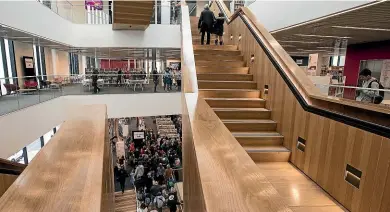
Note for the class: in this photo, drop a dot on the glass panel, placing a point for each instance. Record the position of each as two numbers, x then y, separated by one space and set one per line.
33 149
17 157
48 136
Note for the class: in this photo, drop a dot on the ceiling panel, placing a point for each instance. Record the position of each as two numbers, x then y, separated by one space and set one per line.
367 23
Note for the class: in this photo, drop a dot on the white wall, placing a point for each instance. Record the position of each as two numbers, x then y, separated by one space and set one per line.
155 36
22 127
33 17
278 14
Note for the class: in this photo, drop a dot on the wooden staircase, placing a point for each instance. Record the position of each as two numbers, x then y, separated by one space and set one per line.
126 202
228 87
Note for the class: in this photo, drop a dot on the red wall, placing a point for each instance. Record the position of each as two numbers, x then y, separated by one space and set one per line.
366 51
122 64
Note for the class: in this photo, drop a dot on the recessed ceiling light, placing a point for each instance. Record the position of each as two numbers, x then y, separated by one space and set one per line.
361 28
323 36
293 41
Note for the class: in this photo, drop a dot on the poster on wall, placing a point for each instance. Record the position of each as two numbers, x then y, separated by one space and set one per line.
385 74
312 67
95 4
29 62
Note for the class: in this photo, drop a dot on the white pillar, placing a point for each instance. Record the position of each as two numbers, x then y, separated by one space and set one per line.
165 12
54 61
83 64
89 15
155 12
93 15
100 17
135 64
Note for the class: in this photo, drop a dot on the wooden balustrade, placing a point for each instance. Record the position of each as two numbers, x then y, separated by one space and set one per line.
9 171
73 172
336 132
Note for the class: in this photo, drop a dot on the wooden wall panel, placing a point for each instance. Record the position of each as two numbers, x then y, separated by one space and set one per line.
330 145
192 192
6 181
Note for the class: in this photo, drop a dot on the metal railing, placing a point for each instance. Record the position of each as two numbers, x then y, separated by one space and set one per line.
21 92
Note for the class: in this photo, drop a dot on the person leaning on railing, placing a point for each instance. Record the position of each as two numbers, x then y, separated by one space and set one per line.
366 95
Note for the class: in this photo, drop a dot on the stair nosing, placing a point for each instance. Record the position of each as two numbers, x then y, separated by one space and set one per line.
227 89
259 109
254 121
235 99
249 82
267 150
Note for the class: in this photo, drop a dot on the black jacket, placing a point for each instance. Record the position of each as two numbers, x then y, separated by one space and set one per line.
206 20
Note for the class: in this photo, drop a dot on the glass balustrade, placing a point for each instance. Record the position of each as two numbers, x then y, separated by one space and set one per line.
18 93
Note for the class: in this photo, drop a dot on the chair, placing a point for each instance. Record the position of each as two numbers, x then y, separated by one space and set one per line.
30 84
11 87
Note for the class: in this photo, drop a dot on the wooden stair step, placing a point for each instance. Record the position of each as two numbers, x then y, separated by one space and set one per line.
126 209
225 77
242 113
235 102
229 93
213 52
129 202
211 84
268 154
215 69
258 138
218 57
249 125
220 64
215 47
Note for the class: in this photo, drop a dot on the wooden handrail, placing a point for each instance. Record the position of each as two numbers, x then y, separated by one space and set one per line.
73 172
373 118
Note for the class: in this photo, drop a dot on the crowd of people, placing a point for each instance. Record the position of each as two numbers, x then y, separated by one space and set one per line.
156 164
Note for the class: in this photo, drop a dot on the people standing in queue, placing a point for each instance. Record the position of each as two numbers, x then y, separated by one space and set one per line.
95 77
218 29
205 24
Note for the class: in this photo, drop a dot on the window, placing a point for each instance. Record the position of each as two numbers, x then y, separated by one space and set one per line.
48 136
8 56
17 157
33 149
2 73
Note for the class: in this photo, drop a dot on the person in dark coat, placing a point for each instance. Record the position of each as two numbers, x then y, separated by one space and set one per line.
155 79
218 29
122 179
95 76
119 78
205 24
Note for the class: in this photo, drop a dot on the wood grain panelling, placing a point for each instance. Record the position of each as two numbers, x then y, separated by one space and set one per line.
73 172
192 196
330 145
6 181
